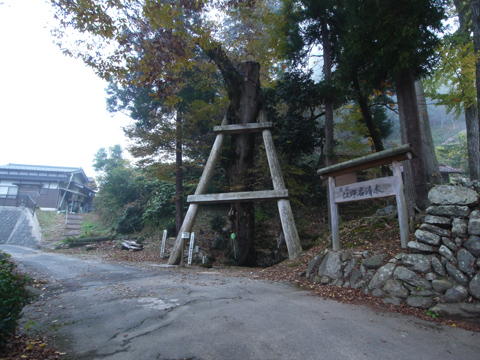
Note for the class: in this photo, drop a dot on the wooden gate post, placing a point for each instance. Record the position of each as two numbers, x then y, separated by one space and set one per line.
401 204
333 214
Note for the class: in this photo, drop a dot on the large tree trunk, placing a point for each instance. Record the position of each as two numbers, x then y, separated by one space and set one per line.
429 157
243 88
328 153
474 125
473 143
414 172
178 174
243 110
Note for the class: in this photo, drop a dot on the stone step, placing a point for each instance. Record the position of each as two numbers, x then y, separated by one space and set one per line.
74 221
72 233
73 226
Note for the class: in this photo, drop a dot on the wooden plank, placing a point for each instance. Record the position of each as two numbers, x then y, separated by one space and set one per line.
290 232
238 196
400 153
364 190
401 205
333 214
289 228
242 128
191 215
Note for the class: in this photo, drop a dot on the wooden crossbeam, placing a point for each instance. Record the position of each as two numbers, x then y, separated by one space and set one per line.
238 196
400 153
242 128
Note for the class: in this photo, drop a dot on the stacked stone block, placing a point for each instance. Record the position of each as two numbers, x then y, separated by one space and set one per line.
441 272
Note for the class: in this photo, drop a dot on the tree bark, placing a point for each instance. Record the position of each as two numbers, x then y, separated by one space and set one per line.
329 154
473 143
415 179
178 174
244 110
243 88
474 125
429 157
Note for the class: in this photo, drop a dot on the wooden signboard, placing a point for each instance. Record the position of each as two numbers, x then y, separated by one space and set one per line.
383 187
365 190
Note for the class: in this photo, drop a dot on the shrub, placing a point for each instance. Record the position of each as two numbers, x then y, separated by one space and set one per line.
217 223
131 220
13 297
161 204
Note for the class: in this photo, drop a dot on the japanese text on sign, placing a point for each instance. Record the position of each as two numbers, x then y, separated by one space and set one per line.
365 190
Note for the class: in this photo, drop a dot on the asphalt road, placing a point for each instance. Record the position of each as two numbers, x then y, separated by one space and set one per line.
99 310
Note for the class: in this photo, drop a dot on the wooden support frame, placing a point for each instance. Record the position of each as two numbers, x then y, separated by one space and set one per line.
238 196
242 128
392 157
280 193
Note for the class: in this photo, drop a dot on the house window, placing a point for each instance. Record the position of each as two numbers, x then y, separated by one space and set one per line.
8 190
53 185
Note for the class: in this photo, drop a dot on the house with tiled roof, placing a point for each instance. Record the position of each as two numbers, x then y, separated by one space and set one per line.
50 187
445 171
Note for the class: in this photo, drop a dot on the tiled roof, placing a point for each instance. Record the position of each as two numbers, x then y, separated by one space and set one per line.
61 169
448 169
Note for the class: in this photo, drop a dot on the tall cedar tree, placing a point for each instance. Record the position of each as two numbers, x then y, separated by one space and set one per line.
475 127
385 41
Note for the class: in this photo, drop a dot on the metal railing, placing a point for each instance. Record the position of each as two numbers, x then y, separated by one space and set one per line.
23 201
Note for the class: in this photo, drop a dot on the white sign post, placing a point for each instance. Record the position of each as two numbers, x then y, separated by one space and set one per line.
185 235
190 250
164 240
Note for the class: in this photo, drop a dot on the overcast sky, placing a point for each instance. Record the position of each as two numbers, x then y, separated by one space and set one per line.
52 108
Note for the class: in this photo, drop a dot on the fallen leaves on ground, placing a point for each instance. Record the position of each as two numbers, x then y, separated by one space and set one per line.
20 347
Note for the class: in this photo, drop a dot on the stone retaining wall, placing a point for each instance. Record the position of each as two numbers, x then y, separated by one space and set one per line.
439 273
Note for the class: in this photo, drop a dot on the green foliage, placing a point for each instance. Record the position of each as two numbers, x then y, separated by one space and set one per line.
217 223
161 203
108 160
380 44
298 130
456 72
119 188
454 154
90 229
453 81
159 126
128 199
13 297
131 220
432 314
